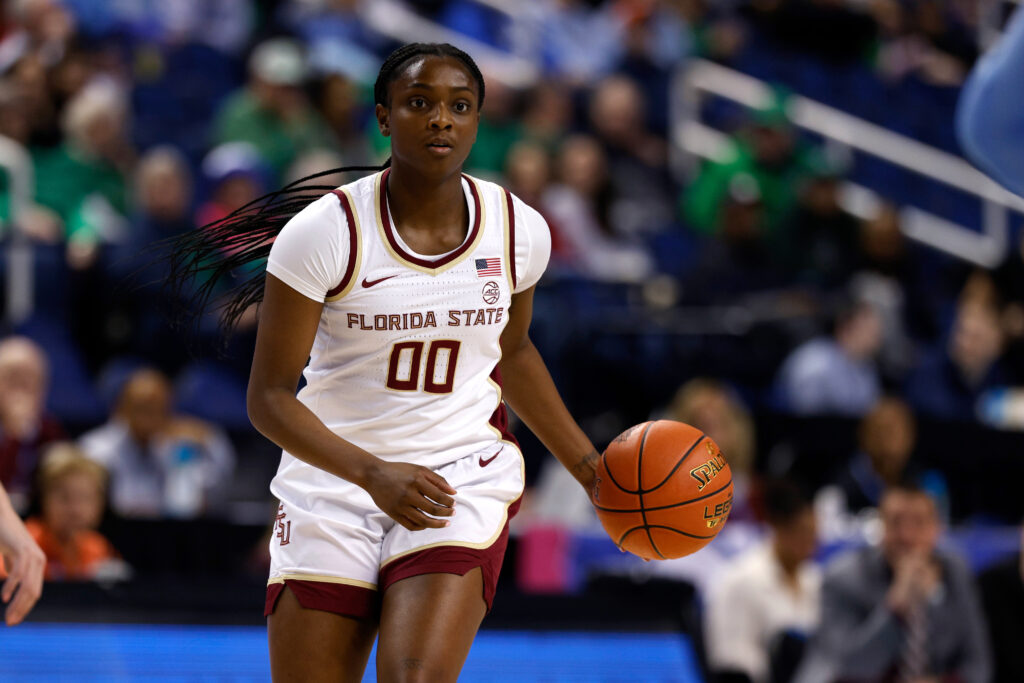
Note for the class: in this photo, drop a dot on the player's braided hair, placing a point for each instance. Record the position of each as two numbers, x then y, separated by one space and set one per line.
214 266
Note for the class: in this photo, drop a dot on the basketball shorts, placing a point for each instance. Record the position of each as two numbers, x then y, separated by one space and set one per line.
336 551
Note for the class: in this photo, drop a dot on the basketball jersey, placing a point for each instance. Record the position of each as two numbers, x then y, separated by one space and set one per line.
405 355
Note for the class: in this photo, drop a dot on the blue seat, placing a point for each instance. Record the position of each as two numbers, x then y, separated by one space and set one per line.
212 392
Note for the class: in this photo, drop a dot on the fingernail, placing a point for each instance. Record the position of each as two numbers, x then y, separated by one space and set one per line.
447 523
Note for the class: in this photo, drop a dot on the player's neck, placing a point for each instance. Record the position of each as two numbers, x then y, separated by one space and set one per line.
425 205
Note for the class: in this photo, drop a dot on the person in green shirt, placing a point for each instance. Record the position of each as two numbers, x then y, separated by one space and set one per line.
82 180
272 111
769 152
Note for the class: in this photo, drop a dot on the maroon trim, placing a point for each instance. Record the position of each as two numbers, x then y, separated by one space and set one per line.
389 232
511 238
340 598
499 418
453 559
353 244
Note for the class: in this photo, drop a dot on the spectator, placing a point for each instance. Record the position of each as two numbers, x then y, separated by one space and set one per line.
547 114
73 491
272 112
820 243
739 262
237 174
949 383
340 102
528 173
580 206
767 596
835 374
1002 592
25 426
902 611
636 158
712 408
160 463
887 435
769 152
83 180
498 131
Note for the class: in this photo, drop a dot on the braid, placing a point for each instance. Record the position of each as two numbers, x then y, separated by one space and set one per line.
233 249
201 261
391 67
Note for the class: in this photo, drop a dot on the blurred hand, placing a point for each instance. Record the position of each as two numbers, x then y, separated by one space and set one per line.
916 577
26 564
411 495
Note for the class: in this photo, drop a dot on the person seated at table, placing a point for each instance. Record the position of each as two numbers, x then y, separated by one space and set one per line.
767 594
900 611
161 464
73 491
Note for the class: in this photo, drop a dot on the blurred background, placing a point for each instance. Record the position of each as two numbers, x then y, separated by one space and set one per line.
762 225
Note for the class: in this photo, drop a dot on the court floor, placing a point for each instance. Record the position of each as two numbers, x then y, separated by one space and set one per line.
90 653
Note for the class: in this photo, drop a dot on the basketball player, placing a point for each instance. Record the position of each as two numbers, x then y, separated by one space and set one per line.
990 115
410 293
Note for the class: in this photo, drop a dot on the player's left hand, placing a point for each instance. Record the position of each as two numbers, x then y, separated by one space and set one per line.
24 580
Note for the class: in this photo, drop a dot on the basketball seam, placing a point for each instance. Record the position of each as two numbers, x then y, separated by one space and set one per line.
666 507
678 464
640 485
660 526
669 528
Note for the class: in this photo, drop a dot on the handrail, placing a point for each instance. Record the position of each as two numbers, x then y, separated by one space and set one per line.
689 137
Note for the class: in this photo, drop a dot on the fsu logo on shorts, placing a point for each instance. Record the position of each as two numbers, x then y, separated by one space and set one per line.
491 292
282 527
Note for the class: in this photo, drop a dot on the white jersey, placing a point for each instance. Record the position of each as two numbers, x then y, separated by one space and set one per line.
404 361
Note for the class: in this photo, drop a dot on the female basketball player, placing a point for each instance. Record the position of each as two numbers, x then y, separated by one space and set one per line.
410 293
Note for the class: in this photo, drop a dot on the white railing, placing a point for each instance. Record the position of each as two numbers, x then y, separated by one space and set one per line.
692 139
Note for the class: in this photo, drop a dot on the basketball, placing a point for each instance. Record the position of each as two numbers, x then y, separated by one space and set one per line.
663 490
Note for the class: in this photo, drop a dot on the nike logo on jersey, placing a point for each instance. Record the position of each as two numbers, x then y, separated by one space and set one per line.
484 462
371 283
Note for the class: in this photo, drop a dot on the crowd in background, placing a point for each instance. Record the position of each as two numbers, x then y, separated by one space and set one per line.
143 120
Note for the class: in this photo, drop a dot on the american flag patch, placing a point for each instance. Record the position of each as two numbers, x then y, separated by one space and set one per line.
488 267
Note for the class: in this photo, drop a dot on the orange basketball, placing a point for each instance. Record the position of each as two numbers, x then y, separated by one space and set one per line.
663 490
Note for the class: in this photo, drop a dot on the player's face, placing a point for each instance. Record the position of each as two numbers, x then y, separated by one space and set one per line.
433 115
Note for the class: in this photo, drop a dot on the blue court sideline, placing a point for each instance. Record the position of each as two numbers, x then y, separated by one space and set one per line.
85 653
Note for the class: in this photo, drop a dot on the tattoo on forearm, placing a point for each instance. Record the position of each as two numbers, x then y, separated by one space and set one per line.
412 664
587 463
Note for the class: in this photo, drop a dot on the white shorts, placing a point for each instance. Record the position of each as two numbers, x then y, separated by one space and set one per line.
336 551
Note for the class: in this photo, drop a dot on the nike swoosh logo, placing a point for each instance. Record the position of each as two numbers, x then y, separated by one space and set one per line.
485 462
371 283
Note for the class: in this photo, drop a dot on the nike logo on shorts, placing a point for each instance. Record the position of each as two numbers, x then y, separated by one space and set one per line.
484 462
370 283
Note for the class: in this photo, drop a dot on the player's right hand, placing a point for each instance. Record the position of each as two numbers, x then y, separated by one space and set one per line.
412 495
26 564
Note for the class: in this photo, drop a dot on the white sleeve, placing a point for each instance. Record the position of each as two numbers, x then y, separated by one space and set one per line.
731 630
533 245
311 253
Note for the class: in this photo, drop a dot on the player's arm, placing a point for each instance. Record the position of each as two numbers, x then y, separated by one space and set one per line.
288 323
530 391
25 563
990 115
